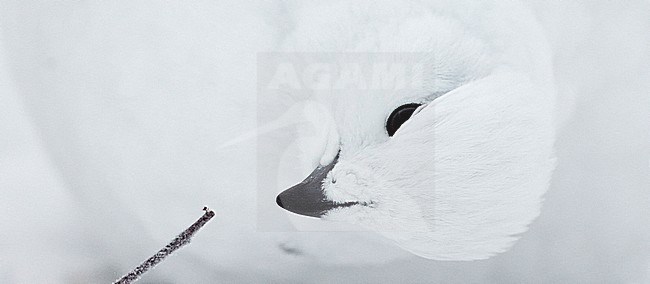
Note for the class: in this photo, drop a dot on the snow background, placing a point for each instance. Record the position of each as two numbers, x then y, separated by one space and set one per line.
112 113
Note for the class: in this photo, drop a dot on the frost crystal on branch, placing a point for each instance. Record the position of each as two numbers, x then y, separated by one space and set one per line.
180 240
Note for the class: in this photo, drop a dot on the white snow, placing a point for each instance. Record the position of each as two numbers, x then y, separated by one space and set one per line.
113 113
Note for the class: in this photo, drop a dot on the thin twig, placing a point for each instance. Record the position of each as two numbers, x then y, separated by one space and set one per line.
180 240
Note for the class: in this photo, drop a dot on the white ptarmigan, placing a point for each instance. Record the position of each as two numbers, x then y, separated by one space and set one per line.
454 169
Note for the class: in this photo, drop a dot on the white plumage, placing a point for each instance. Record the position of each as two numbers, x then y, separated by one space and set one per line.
466 174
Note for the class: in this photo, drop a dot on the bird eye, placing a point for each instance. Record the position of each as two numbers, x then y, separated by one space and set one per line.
399 116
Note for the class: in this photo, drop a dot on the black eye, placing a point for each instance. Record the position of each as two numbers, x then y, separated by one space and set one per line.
399 116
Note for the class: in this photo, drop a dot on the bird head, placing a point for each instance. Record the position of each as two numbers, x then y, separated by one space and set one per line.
451 168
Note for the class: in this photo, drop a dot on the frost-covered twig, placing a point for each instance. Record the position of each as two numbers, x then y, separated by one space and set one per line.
181 240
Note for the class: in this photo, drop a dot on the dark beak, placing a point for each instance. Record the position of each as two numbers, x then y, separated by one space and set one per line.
308 198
